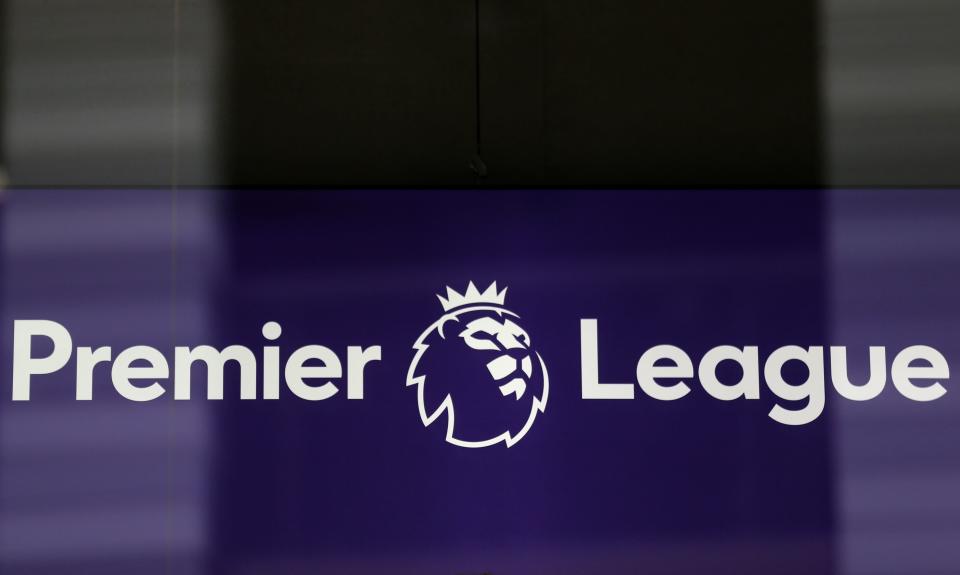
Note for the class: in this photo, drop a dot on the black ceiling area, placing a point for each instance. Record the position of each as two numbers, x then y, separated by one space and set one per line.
560 93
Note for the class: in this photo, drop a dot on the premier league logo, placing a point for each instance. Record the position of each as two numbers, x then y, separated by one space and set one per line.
477 368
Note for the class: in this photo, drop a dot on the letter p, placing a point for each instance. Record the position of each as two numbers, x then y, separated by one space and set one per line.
25 365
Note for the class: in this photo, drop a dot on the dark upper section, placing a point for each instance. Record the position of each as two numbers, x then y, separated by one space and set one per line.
567 93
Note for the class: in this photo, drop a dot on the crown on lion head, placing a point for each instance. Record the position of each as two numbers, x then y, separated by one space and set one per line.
472 296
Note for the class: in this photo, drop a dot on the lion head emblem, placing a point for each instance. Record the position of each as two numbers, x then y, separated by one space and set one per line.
478 367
